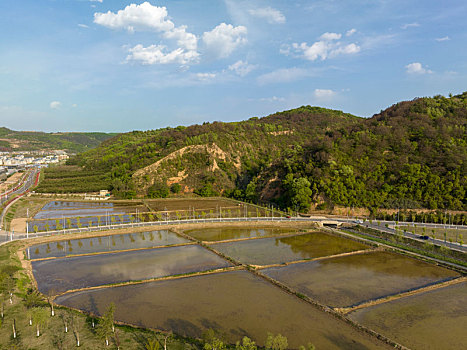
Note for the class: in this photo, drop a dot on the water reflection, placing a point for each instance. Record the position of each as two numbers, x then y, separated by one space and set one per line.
107 243
234 303
87 271
268 251
349 280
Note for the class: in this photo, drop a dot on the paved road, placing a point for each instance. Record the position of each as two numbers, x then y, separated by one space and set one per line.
390 229
27 182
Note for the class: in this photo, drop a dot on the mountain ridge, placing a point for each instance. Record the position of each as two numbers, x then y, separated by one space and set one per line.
405 155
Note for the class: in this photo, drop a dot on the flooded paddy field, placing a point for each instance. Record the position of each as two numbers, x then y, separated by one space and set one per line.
236 303
205 208
427 321
226 233
105 244
349 280
267 251
59 275
57 215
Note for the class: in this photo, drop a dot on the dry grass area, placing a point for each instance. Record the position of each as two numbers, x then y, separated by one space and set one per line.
8 183
451 233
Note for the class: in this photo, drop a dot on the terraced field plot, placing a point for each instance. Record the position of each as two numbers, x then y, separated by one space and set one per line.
105 244
226 233
267 251
428 321
59 275
239 303
236 303
349 280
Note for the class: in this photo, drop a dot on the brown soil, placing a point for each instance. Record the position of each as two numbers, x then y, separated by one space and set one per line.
18 225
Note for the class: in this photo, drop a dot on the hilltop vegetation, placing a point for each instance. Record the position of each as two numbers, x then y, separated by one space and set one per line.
411 155
11 140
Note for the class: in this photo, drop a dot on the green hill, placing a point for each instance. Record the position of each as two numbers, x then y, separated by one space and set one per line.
412 154
75 142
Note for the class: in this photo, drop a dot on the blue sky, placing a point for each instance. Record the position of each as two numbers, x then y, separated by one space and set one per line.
111 65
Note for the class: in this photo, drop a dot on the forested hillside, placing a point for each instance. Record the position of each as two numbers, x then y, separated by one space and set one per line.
11 140
413 155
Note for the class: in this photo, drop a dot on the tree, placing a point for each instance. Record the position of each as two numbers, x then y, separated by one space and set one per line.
246 344
278 342
176 188
105 327
298 192
308 347
158 190
151 344
39 318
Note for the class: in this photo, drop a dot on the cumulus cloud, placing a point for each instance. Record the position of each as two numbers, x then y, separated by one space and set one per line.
270 14
146 17
136 17
328 46
351 32
101 1
83 25
242 68
184 38
324 94
159 54
445 38
330 36
417 68
55 104
284 75
224 39
410 25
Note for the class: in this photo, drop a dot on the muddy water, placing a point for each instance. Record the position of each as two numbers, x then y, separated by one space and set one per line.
73 213
225 233
234 303
105 244
349 280
280 250
428 321
59 275
74 205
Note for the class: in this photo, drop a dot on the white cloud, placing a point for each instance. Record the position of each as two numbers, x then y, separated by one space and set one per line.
101 1
205 76
330 36
224 39
329 46
446 38
284 75
345 50
55 104
159 54
146 17
74 105
410 25
270 14
417 68
351 32
272 99
83 25
187 40
324 94
136 17
242 68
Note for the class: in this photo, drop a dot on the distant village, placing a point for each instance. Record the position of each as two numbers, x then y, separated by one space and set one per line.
11 162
